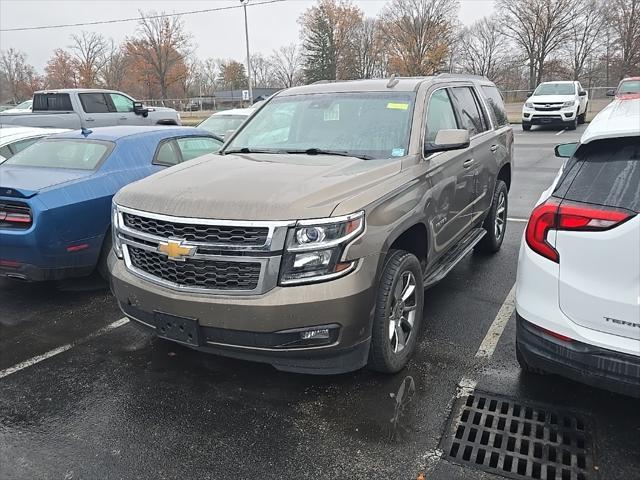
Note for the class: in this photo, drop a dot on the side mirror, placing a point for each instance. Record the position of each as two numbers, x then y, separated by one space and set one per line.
448 140
566 150
582 93
139 109
529 94
611 92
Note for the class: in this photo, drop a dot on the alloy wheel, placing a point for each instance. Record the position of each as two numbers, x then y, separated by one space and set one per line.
403 312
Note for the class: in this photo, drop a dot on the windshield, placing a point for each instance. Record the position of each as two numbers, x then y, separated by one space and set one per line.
67 153
363 124
221 124
629 86
556 89
24 105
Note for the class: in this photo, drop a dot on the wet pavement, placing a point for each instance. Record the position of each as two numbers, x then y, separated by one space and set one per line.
122 404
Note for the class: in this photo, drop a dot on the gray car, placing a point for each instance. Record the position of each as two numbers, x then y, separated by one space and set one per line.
308 241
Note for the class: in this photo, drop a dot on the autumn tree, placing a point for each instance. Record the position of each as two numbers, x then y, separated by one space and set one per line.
19 78
329 33
61 70
418 34
287 66
538 27
90 55
232 75
482 48
159 50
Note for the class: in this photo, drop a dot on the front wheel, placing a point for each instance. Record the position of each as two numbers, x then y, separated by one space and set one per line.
582 118
526 127
574 124
398 313
496 222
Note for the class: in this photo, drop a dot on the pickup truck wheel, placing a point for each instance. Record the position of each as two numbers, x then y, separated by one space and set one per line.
102 267
496 222
573 125
582 118
526 127
398 313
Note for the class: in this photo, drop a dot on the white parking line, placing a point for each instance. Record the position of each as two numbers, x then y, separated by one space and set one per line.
561 132
63 348
488 345
518 220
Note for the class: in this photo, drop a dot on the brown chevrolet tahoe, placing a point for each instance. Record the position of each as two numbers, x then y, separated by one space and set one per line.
308 241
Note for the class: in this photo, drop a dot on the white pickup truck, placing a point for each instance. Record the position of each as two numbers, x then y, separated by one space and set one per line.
77 108
556 103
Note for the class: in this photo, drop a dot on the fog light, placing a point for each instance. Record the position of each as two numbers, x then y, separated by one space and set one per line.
320 334
312 259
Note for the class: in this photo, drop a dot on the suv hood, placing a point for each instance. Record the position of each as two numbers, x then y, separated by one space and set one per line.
551 98
256 186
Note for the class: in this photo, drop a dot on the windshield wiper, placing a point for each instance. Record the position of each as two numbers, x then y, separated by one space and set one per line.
320 151
252 150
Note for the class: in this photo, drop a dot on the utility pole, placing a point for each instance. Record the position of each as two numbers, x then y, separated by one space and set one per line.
246 36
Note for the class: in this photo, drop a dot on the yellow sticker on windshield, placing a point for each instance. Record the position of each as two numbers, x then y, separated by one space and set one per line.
397 106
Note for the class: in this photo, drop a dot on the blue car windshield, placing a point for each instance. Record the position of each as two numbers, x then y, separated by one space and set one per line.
63 153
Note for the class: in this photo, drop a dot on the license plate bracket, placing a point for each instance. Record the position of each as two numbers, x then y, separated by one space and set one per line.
179 329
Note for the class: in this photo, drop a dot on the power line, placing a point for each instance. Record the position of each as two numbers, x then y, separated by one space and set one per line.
135 19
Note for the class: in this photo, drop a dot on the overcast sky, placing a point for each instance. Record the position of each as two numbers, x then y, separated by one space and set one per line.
215 34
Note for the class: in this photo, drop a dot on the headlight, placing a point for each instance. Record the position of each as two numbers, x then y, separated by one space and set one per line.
528 104
115 223
568 104
315 248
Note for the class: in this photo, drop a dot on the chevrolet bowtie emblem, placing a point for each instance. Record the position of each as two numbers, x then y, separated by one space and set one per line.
175 250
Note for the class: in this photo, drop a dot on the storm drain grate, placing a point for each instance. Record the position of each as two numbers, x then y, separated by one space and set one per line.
516 440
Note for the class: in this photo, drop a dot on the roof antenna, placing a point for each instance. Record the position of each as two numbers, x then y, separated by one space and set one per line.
393 81
86 131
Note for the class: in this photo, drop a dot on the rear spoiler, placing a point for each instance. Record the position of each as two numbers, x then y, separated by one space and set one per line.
17 192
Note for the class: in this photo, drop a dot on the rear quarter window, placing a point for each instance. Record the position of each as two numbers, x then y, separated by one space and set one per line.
43 102
496 105
604 172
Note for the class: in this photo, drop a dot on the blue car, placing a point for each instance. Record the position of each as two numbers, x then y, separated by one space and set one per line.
55 196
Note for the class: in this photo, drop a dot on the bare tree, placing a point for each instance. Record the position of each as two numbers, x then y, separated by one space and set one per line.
418 34
114 71
19 78
90 54
287 66
161 46
262 70
368 49
624 18
585 35
538 27
482 48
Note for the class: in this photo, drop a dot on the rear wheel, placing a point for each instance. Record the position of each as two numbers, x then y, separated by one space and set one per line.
496 222
398 313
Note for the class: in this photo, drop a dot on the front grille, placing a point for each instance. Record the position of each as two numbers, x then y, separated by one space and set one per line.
214 234
197 273
543 107
15 215
522 441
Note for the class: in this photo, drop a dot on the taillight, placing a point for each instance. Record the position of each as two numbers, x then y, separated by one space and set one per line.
569 216
15 215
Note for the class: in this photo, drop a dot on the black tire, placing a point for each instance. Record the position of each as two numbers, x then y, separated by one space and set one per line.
573 125
383 356
526 127
102 267
525 366
582 118
492 241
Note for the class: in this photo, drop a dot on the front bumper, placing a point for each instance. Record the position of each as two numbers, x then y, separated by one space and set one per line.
595 366
559 117
252 327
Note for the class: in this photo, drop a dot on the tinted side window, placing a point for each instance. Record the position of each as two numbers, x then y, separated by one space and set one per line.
606 172
94 102
51 101
167 154
440 115
192 147
496 105
470 114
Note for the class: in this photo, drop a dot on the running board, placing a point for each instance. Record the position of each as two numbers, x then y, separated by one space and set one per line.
450 259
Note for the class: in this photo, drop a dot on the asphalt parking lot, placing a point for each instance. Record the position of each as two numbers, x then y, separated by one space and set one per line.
83 394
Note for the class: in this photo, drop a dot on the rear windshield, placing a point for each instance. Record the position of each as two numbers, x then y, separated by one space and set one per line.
63 153
604 172
556 89
629 86
51 101
221 124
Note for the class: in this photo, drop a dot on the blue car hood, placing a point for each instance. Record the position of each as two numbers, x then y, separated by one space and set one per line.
25 182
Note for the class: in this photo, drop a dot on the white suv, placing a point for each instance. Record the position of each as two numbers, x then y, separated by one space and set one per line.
578 284
556 103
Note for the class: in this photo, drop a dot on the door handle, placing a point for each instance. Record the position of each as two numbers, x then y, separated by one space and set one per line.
90 119
468 163
494 148
123 118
